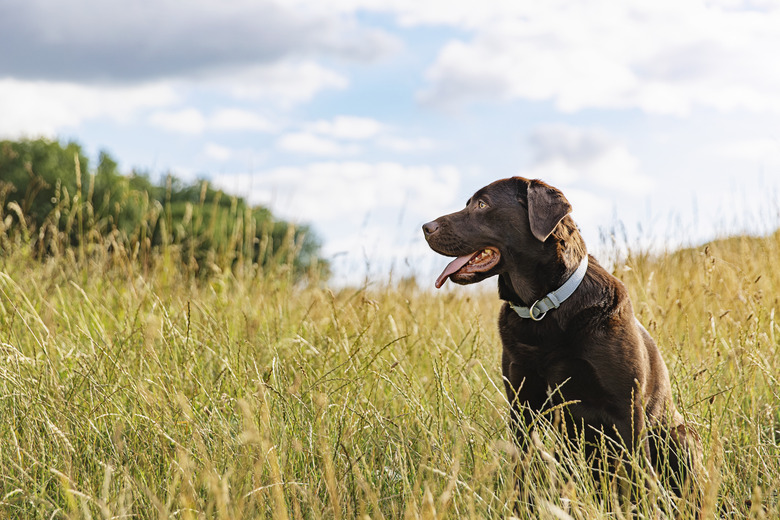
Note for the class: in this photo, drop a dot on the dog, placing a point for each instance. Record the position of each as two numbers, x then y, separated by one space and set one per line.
570 337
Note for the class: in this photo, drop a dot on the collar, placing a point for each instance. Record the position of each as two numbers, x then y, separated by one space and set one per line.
553 300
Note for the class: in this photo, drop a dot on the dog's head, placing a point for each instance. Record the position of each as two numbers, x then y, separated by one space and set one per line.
505 226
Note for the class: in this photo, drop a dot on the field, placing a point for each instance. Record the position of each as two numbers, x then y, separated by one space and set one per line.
129 392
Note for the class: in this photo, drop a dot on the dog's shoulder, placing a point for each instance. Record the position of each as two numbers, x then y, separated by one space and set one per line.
603 296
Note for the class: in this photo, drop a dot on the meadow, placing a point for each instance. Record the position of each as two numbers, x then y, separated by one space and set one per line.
139 390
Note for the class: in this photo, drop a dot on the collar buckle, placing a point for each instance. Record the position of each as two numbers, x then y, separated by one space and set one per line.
535 313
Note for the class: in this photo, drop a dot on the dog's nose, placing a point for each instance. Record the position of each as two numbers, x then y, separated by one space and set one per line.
430 228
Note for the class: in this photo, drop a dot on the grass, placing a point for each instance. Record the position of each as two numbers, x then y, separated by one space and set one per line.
149 393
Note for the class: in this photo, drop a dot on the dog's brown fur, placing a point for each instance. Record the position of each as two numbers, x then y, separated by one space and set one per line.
591 352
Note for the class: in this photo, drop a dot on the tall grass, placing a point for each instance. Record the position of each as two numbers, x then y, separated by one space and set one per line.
145 392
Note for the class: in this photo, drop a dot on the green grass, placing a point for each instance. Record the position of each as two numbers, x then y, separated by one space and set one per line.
149 393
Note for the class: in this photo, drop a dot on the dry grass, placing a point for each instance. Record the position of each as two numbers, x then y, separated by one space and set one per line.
155 395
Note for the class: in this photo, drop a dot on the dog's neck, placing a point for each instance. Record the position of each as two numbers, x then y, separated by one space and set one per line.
559 260
524 289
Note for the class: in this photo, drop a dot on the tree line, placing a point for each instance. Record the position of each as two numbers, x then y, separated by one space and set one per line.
53 201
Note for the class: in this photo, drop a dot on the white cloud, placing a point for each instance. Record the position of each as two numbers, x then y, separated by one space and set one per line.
45 108
400 144
566 156
659 57
761 150
185 121
286 83
590 210
234 119
353 128
347 127
619 170
192 121
310 144
348 190
217 152
33 108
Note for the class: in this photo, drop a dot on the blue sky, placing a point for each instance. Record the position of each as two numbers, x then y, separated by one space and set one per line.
366 118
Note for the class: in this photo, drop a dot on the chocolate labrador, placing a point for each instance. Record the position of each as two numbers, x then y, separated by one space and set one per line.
568 330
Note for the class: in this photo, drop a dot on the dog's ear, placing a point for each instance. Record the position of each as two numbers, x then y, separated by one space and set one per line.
546 207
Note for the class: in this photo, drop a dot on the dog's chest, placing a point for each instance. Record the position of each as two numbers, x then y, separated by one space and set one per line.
528 342
551 356
544 363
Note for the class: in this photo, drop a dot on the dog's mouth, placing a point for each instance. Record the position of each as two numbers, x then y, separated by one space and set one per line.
478 262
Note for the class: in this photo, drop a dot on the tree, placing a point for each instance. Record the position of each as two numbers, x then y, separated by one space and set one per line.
37 170
63 203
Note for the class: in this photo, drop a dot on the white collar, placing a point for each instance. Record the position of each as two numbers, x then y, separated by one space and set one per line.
553 300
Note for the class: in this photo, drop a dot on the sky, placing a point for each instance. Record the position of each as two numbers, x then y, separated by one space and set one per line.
659 120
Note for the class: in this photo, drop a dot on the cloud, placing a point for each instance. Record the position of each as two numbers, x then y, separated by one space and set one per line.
47 107
108 40
755 150
348 190
185 121
400 144
236 119
347 127
217 152
285 82
659 57
192 121
752 149
34 108
597 173
339 136
571 144
310 144
354 128
565 155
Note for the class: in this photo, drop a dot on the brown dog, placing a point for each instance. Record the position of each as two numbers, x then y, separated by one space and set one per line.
568 329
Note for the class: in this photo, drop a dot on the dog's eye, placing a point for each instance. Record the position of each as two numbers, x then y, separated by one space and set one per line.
481 204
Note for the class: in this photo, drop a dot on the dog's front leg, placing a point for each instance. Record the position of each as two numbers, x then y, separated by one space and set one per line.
526 393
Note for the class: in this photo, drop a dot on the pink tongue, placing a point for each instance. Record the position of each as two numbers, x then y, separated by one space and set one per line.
452 267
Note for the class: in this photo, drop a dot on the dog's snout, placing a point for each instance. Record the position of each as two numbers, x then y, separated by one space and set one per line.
430 228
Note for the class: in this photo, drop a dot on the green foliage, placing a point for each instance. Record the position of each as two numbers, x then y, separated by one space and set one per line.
39 172
49 195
